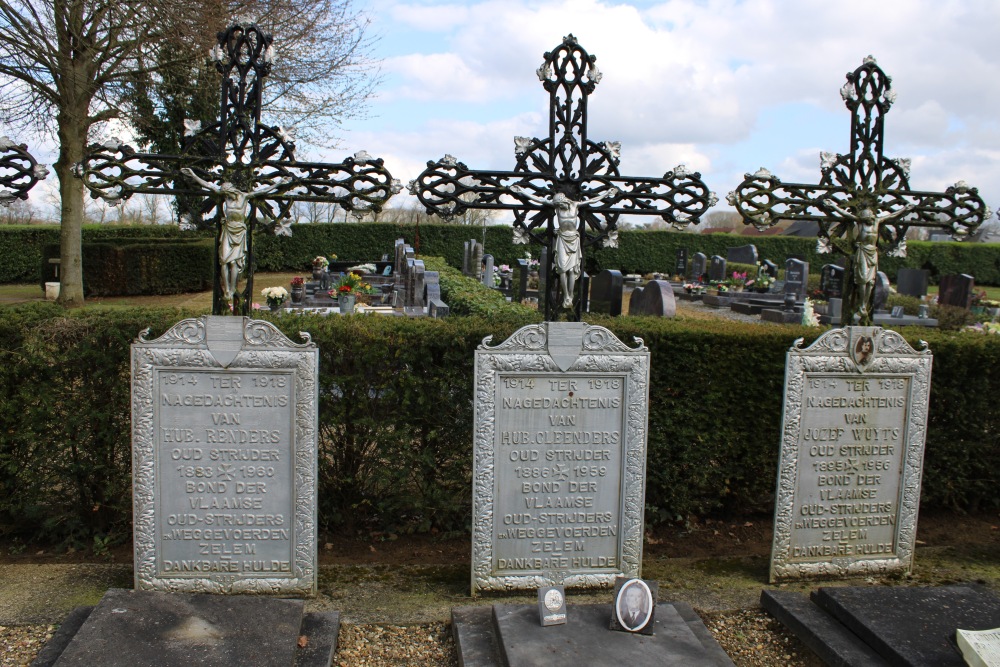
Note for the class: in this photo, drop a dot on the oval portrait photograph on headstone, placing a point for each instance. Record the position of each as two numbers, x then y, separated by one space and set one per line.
633 605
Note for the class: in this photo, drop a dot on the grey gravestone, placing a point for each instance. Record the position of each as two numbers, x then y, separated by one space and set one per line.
831 281
770 268
466 257
488 271
552 605
606 293
521 270
681 262
558 458
912 282
956 290
224 451
154 629
852 449
477 261
399 256
432 287
717 269
509 635
796 278
746 254
886 625
698 266
656 299
881 291
417 281
437 308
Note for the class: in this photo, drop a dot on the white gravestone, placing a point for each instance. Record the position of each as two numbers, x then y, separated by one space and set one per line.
559 461
853 433
224 447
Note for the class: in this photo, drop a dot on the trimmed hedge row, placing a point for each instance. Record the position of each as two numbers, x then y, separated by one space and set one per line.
122 267
638 251
396 417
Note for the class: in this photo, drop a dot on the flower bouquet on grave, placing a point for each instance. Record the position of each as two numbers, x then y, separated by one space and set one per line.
739 280
694 288
351 285
275 296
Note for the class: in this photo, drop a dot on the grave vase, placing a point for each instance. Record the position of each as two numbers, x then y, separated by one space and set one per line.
346 302
298 291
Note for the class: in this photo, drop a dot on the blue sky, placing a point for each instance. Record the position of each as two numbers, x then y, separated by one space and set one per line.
724 86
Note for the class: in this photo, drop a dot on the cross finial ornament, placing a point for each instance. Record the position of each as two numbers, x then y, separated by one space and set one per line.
19 171
566 191
243 171
863 203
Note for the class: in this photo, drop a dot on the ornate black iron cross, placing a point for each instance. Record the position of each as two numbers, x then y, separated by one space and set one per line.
247 169
19 171
863 203
564 177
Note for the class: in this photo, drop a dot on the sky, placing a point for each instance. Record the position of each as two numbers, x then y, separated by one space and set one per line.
723 86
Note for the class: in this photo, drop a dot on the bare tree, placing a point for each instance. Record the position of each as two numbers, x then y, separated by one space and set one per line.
18 212
63 69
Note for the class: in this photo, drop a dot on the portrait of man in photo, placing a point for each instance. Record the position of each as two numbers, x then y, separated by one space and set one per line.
633 605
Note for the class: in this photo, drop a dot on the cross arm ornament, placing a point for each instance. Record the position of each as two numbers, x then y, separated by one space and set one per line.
19 171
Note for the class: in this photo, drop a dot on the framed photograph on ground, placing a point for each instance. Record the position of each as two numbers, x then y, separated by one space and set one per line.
635 605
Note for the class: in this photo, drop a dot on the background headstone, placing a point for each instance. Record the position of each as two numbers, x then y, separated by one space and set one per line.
882 290
831 281
746 254
488 271
912 282
606 293
956 290
399 256
539 406
521 270
698 266
224 448
796 278
681 262
432 286
477 260
656 299
717 269
467 257
771 268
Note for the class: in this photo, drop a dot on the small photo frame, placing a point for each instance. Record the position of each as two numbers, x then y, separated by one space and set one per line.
552 605
897 311
635 605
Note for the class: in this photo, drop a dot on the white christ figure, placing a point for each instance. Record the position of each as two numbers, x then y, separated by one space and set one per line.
569 259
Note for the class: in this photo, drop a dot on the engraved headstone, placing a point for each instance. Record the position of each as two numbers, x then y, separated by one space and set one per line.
559 458
831 281
606 293
796 278
746 254
882 289
224 449
656 299
698 266
552 605
852 448
681 262
912 282
956 290
717 269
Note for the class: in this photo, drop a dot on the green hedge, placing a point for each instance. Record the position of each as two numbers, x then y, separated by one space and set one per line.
638 251
123 267
396 417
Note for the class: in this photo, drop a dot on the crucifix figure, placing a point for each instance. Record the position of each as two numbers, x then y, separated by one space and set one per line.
568 260
863 203
232 241
254 163
554 180
19 171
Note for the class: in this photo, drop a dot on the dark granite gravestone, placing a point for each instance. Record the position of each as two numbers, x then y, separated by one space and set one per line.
510 635
746 254
770 268
153 629
521 269
912 282
432 286
698 266
871 626
437 308
680 264
956 290
831 281
606 293
656 299
543 278
466 257
796 278
882 289
717 269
